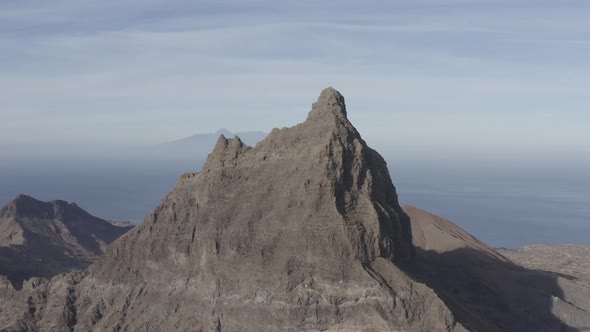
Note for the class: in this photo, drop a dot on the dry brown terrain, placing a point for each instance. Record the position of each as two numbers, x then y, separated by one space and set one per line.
571 260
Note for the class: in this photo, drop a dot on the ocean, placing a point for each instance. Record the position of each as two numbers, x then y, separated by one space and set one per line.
504 208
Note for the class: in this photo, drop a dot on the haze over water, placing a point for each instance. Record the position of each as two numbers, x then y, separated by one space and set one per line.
508 207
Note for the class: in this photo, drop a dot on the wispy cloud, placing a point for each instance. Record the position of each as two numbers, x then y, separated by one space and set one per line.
140 66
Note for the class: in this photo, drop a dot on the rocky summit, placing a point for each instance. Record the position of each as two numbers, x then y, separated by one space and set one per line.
302 232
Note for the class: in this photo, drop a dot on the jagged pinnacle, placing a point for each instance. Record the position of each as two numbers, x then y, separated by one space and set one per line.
330 102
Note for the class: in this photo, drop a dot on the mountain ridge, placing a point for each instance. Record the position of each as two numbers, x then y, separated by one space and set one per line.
42 239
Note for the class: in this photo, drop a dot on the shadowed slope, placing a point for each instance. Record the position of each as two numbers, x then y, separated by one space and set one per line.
485 290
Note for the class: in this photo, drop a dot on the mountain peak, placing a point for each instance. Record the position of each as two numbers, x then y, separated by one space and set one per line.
322 165
29 206
330 102
25 204
22 198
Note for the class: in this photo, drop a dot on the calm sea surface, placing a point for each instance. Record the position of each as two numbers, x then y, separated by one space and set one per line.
504 209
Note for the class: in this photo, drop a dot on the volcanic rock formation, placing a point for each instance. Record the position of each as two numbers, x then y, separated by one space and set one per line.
42 239
300 233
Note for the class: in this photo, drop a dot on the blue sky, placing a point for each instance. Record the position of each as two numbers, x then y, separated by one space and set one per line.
501 79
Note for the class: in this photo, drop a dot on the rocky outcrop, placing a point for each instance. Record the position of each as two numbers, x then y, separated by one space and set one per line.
303 232
42 239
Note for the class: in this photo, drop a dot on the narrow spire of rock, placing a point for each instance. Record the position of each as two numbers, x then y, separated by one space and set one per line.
329 103
226 151
221 143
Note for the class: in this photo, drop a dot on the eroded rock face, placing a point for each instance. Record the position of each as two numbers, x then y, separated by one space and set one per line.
298 233
42 239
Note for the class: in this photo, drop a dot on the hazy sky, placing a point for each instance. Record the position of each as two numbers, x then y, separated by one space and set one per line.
503 78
